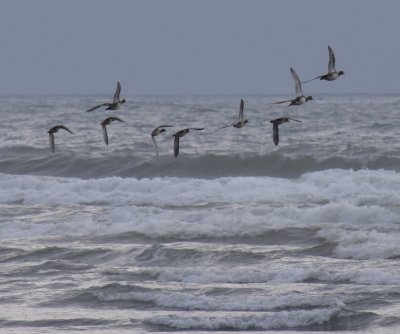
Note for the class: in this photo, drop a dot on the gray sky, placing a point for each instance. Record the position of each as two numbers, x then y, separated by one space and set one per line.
197 47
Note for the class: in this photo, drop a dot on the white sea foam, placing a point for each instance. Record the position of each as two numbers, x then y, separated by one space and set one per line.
284 274
364 244
197 300
244 321
355 187
356 211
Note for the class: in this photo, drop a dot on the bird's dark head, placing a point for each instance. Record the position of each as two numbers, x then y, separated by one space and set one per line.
308 98
340 73
246 121
123 101
162 130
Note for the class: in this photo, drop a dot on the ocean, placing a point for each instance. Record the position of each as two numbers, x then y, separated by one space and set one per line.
235 234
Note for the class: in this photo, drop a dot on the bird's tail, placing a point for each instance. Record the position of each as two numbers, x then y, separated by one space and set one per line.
280 102
319 77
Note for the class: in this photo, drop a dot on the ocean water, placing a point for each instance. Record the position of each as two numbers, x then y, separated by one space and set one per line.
234 234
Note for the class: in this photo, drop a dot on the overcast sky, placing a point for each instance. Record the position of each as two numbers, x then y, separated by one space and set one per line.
197 46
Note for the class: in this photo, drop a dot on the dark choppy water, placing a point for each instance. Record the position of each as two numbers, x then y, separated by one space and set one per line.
233 235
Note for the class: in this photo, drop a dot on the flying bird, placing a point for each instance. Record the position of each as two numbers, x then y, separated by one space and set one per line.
52 131
116 101
104 124
180 134
275 127
242 122
332 73
300 98
156 132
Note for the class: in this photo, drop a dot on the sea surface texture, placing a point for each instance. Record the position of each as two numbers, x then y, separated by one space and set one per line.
235 234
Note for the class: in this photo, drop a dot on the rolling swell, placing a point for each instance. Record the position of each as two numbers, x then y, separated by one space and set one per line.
125 164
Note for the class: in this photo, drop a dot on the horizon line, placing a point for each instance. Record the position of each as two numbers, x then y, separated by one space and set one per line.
193 94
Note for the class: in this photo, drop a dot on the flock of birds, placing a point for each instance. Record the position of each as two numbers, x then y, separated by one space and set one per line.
298 100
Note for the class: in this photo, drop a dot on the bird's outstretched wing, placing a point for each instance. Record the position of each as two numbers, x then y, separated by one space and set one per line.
117 92
176 146
280 102
105 136
65 128
164 126
292 119
275 133
114 118
156 130
241 108
98 106
297 82
225 126
331 63
51 140
155 145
